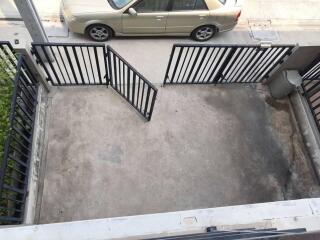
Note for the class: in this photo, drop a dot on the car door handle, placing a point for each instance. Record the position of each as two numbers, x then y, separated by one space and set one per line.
159 16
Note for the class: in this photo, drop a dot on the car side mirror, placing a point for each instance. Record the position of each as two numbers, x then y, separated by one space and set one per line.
133 12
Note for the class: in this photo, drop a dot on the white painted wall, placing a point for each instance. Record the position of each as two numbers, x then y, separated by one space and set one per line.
303 213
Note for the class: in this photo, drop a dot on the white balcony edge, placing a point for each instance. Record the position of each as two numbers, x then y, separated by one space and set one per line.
303 213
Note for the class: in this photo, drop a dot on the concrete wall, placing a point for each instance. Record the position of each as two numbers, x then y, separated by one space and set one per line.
299 60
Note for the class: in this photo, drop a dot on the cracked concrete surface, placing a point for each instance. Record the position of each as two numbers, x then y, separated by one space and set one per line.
206 146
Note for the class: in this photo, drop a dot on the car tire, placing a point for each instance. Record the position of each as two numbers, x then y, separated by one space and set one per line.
99 32
204 33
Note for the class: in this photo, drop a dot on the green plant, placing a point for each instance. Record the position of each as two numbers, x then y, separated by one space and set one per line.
6 87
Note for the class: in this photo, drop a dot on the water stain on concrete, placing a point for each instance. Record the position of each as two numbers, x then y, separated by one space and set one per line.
279 105
61 134
114 154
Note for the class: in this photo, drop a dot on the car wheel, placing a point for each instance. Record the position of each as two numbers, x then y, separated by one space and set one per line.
204 33
99 32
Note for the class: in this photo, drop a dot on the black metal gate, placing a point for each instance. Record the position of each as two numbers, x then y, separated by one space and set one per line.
72 64
311 87
217 64
68 64
19 82
130 84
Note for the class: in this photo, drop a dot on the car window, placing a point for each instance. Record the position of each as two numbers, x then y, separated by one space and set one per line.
200 4
182 5
119 3
145 6
223 1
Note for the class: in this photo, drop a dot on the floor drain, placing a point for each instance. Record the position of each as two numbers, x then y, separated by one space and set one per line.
262 30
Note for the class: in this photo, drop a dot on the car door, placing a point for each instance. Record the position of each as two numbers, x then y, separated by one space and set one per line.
185 15
151 17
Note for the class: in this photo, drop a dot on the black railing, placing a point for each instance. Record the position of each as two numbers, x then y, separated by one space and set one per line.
17 150
312 71
72 64
252 233
311 88
216 64
69 64
8 59
131 85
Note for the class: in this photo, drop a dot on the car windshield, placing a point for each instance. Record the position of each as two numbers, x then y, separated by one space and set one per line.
119 3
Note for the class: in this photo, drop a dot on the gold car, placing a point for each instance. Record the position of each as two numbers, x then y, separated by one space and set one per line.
102 19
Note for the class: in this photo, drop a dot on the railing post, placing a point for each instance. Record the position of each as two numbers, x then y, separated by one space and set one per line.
32 63
169 65
108 59
224 65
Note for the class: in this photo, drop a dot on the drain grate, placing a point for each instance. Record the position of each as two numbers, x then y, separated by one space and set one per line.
262 30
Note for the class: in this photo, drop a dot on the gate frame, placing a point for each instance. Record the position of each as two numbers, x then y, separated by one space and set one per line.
233 48
145 113
63 66
44 55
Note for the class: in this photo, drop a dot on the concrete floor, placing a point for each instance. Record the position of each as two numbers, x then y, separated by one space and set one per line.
206 146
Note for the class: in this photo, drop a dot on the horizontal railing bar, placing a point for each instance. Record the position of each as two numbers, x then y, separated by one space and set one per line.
20 143
14 148
232 45
10 219
12 199
69 44
79 84
10 209
16 179
17 170
24 111
13 189
21 134
24 164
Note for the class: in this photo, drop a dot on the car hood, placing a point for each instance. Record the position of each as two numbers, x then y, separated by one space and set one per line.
78 7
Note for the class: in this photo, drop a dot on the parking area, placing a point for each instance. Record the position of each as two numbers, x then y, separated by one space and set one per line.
206 146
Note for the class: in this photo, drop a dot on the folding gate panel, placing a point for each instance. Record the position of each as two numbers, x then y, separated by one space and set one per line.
68 64
72 64
206 64
130 84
